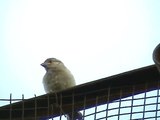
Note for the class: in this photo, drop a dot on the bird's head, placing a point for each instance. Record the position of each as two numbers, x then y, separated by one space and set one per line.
52 63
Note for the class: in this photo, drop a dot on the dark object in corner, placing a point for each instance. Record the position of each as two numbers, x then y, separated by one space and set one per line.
156 56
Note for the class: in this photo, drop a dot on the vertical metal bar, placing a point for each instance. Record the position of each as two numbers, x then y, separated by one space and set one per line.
48 103
84 107
108 96
10 113
72 105
145 94
52 111
133 89
60 107
22 107
96 108
56 103
119 109
156 115
35 107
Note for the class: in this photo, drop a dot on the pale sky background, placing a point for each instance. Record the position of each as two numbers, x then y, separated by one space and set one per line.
94 39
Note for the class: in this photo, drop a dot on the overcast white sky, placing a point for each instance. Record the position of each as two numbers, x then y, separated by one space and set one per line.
94 39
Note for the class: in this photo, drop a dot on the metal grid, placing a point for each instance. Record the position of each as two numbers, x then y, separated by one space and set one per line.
133 95
145 106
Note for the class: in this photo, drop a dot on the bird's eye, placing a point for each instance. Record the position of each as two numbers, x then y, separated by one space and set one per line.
49 61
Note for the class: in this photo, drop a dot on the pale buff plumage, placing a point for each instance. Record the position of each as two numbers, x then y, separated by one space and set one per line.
58 77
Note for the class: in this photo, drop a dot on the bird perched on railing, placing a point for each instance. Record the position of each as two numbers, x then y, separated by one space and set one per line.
57 78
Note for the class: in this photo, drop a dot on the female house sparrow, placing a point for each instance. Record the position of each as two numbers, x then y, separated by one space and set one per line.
57 78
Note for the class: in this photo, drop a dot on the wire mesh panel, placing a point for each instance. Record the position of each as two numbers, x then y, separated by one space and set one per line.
133 95
138 107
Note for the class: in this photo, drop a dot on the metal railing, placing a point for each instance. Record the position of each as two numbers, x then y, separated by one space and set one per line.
130 95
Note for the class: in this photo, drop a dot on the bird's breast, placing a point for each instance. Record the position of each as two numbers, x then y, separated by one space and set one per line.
56 81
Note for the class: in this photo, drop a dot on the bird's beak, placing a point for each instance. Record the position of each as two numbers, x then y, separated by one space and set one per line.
43 64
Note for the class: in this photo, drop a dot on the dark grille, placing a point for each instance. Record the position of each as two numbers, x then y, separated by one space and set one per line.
127 96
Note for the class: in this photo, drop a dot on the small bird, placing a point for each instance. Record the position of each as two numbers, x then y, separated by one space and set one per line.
57 78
